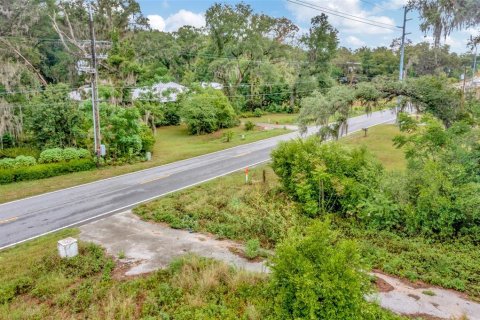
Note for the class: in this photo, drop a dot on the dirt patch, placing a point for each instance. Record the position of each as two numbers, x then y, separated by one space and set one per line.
414 296
382 285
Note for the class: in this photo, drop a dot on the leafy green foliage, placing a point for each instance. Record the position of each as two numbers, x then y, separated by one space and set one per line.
249 125
54 119
320 108
228 135
252 248
317 276
20 161
123 133
321 42
325 177
208 111
59 155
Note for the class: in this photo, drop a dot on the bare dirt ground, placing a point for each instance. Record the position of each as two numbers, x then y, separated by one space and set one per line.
143 247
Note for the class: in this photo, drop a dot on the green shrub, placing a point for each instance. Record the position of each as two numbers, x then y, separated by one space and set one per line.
20 161
51 155
258 112
148 139
58 155
252 248
70 154
326 176
25 161
317 276
41 171
249 126
7 163
228 135
207 112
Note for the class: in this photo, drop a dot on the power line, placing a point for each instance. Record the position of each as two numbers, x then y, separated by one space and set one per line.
344 15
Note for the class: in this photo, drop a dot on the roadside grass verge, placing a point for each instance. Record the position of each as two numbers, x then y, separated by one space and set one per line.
379 142
229 208
36 284
172 144
274 118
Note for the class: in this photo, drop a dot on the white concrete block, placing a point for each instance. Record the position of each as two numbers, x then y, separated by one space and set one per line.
68 247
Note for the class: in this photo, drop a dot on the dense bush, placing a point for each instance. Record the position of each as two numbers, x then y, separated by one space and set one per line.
208 111
53 119
249 125
58 155
41 171
326 177
124 134
20 161
318 276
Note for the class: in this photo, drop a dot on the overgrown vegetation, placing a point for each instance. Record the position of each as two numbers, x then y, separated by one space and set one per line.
36 284
449 262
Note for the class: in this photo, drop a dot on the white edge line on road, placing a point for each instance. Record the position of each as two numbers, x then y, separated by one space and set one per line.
171 163
155 197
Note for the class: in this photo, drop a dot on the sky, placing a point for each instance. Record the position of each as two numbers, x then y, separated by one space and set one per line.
169 15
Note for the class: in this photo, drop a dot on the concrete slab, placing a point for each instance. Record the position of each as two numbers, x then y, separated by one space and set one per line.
428 301
151 246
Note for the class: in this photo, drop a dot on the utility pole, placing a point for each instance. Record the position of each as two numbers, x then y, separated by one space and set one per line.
94 80
402 48
474 69
462 102
402 51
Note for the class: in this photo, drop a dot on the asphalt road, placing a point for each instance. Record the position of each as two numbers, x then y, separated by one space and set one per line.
25 219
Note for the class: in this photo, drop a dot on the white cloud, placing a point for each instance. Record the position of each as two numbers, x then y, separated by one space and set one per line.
354 41
393 4
456 45
348 8
184 18
156 22
176 21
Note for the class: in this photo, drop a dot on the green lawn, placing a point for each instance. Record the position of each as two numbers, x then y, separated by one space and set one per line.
379 142
274 118
172 144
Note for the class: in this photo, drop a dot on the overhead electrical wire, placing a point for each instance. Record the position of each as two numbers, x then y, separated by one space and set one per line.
344 15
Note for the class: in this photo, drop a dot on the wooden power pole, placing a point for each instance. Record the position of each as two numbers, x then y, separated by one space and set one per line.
94 80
